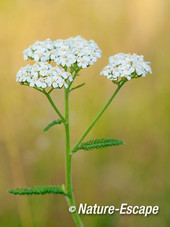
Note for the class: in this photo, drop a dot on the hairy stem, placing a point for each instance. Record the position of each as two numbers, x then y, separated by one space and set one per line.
68 161
97 117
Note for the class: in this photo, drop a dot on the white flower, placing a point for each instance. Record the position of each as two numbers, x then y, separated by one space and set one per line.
126 66
70 78
41 83
33 81
42 75
64 52
24 74
39 51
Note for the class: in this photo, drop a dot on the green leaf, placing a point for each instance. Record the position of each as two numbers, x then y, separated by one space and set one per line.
38 190
99 143
52 123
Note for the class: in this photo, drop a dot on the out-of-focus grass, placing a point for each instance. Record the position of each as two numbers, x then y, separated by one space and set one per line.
136 173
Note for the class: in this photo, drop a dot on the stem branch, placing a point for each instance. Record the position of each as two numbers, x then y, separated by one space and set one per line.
97 117
54 107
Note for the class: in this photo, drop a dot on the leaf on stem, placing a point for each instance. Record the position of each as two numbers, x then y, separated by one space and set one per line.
99 143
52 123
38 190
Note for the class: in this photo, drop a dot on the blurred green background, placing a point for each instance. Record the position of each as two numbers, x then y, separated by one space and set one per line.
136 173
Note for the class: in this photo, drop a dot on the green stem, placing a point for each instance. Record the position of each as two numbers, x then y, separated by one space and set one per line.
36 88
80 85
54 107
97 117
50 90
68 161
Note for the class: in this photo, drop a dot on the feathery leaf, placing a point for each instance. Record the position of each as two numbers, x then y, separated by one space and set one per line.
39 190
99 143
52 123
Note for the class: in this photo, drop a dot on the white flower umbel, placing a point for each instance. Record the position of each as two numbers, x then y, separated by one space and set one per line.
39 51
126 66
64 52
76 50
42 75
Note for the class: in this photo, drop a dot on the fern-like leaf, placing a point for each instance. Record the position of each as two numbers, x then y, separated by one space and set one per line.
39 190
99 143
52 123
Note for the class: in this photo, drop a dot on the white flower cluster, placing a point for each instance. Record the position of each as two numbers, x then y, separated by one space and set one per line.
42 75
126 65
64 52
39 51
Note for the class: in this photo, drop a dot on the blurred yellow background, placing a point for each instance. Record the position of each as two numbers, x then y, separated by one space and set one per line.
136 173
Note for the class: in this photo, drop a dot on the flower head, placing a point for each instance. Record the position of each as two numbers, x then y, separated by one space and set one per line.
39 51
42 75
64 52
126 66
